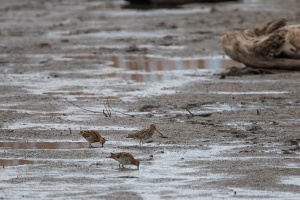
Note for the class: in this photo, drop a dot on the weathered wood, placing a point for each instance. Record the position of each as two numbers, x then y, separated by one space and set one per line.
273 45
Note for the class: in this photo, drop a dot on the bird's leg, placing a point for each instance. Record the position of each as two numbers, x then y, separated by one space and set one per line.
119 165
90 145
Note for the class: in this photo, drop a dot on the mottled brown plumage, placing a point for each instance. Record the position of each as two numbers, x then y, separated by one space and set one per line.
92 136
124 158
144 134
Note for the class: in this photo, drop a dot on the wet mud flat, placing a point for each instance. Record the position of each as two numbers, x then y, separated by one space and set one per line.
96 65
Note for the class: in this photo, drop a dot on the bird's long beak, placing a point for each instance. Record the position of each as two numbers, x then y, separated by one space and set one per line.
161 134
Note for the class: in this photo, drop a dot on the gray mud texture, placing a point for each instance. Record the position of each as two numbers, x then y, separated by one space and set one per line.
95 65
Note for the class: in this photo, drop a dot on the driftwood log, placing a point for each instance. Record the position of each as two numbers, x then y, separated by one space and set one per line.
273 45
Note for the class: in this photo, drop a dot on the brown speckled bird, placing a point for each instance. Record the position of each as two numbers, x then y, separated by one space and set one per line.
144 134
124 158
92 136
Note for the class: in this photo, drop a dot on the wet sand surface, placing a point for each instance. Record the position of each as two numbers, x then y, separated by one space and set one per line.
97 65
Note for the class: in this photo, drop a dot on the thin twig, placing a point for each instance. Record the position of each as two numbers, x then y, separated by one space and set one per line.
199 115
81 107
257 112
105 113
189 112
118 111
108 112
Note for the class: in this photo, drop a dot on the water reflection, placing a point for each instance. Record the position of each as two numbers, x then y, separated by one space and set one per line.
140 77
147 63
42 145
16 162
151 68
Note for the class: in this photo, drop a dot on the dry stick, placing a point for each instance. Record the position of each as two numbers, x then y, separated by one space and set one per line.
257 112
161 135
118 111
81 107
104 113
89 110
200 115
108 111
190 112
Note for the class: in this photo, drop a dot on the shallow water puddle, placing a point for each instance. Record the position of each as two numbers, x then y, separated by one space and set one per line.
56 126
241 125
148 63
212 153
169 170
219 107
16 162
291 180
156 63
155 68
135 63
42 145
164 176
120 76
